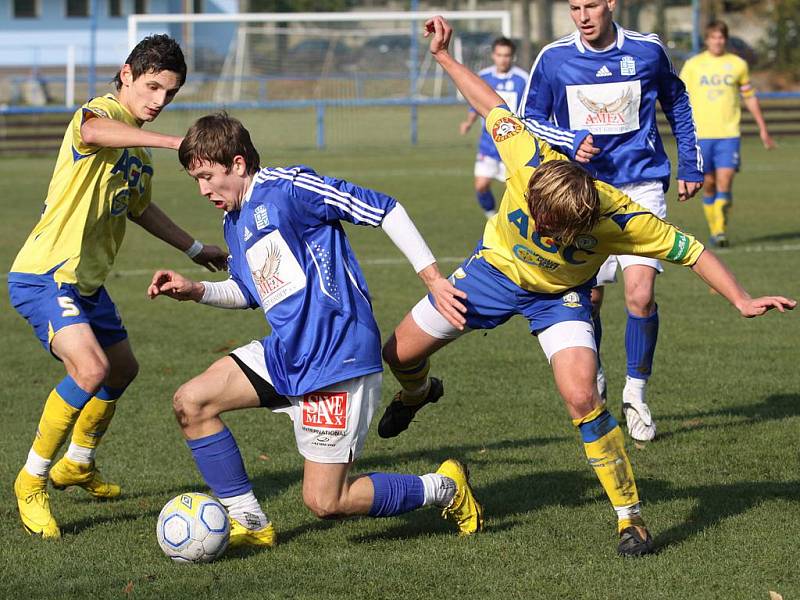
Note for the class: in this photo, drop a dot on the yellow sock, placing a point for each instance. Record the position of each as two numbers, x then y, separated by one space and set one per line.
93 422
57 419
711 214
604 445
721 208
414 381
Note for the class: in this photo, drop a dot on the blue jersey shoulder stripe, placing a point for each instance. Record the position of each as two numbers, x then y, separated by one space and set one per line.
360 204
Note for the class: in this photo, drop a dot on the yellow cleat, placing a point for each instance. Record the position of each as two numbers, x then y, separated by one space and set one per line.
241 536
464 509
34 505
67 472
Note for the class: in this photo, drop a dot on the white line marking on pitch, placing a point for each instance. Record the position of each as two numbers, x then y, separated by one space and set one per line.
456 260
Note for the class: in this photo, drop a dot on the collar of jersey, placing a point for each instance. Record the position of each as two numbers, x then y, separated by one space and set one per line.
249 191
618 44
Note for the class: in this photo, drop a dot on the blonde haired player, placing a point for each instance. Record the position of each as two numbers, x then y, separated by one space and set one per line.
716 80
101 180
538 257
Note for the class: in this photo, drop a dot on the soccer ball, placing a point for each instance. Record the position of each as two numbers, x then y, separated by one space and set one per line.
193 528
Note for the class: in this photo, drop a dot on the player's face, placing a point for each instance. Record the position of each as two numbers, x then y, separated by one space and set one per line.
594 20
715 42
502 57
225 188
147 95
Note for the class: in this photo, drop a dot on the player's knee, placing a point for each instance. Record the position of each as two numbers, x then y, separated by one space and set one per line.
323 506
580 400
189 405
125 375
91 373
640 301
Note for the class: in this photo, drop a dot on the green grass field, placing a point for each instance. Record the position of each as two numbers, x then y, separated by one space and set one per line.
720 485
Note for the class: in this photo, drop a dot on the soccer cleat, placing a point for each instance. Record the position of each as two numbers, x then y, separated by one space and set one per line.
464 509
67 472
635 540
641 426
34 505
398 416
241 536
718 241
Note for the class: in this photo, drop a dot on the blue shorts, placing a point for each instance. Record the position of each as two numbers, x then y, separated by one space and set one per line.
492 299
49 306
720 153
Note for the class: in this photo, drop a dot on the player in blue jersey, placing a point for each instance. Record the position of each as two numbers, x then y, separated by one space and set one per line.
599 85
321 364
508 81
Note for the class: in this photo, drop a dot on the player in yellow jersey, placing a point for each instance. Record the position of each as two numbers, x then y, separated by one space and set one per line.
715 79
101 179
538 258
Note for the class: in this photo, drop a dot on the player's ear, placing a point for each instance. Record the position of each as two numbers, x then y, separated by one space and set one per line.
126 74
239 165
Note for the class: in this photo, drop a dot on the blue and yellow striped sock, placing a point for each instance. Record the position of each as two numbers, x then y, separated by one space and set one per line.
414 381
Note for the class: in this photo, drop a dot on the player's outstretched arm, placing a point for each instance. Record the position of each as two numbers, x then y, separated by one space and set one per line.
176 286
477 93
110 133
714 272
446 297
157 223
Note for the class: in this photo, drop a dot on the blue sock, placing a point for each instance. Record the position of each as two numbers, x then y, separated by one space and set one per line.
395 494
486 200
109 393
708 199
72 393
726 196
641 334
220 463
597 427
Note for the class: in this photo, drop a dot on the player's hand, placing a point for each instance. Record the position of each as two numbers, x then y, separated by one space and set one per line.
587 150
212 258
767 140
687 189
447 299
441 32
464 127
755 307
174 285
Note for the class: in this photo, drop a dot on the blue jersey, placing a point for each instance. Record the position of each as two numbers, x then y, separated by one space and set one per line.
510 86
612 95
289 255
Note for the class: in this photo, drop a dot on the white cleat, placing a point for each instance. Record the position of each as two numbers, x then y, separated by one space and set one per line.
641 426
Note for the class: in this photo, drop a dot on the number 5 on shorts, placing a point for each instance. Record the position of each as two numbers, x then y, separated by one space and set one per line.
68 304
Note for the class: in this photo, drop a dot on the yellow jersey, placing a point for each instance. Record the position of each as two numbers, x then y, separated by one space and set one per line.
91 194
539 264
714 84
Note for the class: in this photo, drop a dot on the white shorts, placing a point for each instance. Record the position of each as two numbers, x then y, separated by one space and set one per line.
331 424
650 194
559 336
486 166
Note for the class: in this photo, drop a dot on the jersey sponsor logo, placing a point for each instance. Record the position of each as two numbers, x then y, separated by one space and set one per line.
133 171
603 72
627 66
261 217
276 272
679 248
325 410
605 108
505 128
527 255
716 80
247 234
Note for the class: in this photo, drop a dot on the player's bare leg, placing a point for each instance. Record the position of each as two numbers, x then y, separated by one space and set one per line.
198 405
77 467
598 293
574 370
87 366
483 192
330 493
641 335
406 352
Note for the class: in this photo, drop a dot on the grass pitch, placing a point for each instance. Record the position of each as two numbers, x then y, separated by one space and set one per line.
721 484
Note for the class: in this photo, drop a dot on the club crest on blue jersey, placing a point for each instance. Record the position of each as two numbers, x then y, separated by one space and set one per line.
627 66
261 217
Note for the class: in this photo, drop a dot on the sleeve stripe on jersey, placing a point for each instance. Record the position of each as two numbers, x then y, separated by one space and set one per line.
344 196
328 198
548 134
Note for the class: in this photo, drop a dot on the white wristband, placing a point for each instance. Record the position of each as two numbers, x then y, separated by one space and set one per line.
195 249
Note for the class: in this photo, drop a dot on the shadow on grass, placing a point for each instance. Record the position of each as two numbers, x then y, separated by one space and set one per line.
715 503
773 408
77 527
774 237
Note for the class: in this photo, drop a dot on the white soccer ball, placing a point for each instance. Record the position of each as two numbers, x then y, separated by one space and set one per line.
193 528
